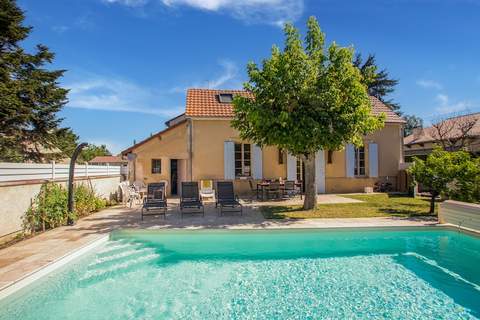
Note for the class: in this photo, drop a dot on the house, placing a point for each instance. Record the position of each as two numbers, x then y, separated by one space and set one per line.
201 144
111 161
461 132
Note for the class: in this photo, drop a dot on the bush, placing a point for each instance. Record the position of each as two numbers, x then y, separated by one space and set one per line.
49 209
450 174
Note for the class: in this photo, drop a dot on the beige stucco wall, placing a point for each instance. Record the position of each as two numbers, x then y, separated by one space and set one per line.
208 137
170 145
389 140
208 143
16 198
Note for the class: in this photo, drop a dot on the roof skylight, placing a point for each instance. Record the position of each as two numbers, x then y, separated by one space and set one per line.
225 97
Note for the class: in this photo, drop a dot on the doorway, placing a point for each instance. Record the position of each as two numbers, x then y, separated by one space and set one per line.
301 173
174 177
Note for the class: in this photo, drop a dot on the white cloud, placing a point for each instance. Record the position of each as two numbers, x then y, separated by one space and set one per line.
230 72
60 29
227 78
274 12
128 3
429 84
113 94
446 107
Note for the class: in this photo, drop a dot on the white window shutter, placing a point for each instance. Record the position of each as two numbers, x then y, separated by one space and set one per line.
373 160
291 167
350 160
229 160
257 170
320 171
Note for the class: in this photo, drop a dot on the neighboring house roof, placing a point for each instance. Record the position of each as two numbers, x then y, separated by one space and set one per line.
204 103
107 159
429 134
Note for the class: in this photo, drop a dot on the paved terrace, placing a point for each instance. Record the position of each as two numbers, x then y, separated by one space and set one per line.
26 257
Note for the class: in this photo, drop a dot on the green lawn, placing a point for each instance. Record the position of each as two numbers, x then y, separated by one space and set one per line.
376 205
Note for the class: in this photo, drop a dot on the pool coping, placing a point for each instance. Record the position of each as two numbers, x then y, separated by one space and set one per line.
50 267
56 264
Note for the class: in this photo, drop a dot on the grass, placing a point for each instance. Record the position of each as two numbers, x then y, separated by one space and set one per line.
376 205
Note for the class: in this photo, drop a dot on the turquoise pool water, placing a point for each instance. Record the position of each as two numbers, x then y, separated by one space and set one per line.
275 274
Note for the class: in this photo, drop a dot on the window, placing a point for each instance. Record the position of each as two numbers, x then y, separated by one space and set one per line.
156 166
299 170
330 157
281 155
242 160
359 161
225 97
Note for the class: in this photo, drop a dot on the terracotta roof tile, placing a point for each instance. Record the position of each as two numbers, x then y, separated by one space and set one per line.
378 107
430 134
205 103
106 159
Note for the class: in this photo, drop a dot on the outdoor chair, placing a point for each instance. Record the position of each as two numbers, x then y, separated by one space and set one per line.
253 189
206 189
290 190
155 201
190 198
226 198
129 194
274 189
138 185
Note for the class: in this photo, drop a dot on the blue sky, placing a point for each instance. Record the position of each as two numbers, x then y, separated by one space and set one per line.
129 62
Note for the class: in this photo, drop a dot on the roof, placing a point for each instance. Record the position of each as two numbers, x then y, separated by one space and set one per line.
430 134
173 121
204 103
128 150
378 107
107 159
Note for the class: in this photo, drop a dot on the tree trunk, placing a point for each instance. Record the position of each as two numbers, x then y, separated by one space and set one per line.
432 202
310 201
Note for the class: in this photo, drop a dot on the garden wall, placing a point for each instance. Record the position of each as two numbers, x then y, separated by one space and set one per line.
461 214
16 196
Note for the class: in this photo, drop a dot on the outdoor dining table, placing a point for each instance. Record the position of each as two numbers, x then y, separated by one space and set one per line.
262 187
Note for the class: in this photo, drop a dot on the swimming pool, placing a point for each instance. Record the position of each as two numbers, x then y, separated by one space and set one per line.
409 273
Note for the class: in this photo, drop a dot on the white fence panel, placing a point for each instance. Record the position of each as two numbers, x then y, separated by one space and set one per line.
52 171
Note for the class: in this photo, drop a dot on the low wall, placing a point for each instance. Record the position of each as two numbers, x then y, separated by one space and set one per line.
460 213
16 196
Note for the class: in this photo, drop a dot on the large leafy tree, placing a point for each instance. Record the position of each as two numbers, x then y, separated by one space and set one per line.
381 85
453 174
306 98
91 151
413 122
30 96
378 81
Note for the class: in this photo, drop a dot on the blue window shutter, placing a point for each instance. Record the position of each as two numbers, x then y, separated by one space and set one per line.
350 160
229 160
373 160
257 170
291 167
320 171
